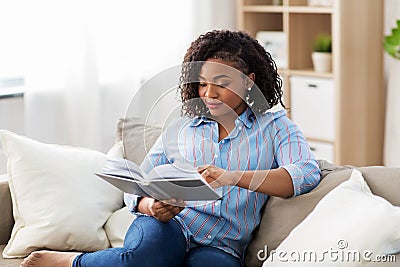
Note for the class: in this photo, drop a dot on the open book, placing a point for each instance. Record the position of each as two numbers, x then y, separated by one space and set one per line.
163 182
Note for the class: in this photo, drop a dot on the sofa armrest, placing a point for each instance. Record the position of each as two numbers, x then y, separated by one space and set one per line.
6 218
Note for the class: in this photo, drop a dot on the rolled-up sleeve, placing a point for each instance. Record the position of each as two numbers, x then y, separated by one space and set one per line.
293 153
131 201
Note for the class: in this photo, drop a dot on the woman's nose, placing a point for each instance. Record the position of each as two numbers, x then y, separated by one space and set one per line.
211 91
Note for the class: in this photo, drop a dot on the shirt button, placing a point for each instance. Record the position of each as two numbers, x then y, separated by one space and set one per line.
209 237
240 127
217 204
216 156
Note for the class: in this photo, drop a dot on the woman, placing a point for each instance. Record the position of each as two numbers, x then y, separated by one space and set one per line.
244 150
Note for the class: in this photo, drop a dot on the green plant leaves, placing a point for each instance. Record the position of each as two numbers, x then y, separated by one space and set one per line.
323 43
391 42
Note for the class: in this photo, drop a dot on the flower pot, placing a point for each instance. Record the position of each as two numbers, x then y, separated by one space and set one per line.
322 61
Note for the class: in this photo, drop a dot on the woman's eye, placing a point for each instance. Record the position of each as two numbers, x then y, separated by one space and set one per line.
222 85
202 84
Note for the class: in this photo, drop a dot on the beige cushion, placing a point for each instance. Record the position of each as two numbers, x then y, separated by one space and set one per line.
137 138
58 202
6 219
384 182
280 216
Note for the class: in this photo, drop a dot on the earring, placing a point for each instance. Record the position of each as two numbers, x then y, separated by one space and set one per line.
249 89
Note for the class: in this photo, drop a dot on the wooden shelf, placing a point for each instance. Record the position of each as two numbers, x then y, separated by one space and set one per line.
358 95
263 9
286 9
309 10
309 73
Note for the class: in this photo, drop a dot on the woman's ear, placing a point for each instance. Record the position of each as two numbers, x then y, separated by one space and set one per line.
251 80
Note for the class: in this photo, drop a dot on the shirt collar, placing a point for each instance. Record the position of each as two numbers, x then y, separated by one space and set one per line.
246 118
199 120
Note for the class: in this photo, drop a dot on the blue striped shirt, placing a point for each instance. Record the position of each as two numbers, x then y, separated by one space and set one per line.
256 143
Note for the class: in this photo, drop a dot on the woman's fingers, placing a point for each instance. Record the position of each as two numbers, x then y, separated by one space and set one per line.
174 202
166 215
211 174
211 181
201 169
163 211
217 177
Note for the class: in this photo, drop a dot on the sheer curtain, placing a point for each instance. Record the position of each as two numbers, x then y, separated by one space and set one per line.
95 53
392 70
83 60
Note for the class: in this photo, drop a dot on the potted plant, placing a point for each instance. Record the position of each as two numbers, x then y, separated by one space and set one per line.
391 43
322 53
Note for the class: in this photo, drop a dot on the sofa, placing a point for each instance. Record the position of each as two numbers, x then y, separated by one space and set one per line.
280 216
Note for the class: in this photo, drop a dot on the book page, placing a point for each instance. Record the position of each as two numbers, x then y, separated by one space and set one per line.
173 171
123 168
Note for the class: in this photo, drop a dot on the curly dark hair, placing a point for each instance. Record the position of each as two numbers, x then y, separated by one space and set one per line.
248 57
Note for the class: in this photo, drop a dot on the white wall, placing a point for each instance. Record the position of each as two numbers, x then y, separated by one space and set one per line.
11 117
213 14
392 79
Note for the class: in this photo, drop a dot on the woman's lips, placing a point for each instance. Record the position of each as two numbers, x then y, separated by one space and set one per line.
213 104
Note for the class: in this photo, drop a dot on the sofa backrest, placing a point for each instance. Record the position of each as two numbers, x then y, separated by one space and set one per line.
137 138
6 217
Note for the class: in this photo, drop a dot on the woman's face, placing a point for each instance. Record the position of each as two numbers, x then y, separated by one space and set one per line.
223 88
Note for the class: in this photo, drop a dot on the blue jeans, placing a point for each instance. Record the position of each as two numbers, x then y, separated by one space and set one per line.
149 242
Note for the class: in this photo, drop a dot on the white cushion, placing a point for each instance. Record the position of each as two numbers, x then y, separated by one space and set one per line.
119 221
116 151
348 225
58 202
117 226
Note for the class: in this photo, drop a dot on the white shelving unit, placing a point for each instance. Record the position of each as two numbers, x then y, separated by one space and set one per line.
341 112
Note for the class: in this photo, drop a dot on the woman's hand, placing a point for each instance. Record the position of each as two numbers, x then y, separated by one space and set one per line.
161 210
218 177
